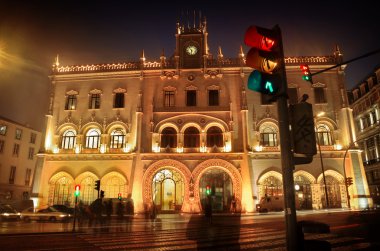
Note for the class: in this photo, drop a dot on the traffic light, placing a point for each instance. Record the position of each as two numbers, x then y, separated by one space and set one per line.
77 190
208 190
349 181
303 132
119 196
97 185
101 194
306 73
266 58
213 189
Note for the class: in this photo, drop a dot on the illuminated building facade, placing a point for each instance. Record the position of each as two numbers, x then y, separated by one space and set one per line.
365 103
19 145
173 130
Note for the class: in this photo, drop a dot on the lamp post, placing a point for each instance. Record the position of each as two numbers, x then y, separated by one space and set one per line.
345 175
323 169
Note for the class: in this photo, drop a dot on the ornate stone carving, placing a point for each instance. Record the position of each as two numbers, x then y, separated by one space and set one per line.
213 74
72 92
119 90
169 75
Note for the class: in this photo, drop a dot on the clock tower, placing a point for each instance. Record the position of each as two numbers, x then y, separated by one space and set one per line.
191 45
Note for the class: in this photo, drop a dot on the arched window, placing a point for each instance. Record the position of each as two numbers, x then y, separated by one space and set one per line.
214 137
191 137
117 138
68 139
324 135
88 193
272 186
93 138
113 186
169 138
268 136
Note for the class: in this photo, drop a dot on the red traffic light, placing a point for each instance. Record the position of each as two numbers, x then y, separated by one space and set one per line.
266 58
306 72
260 38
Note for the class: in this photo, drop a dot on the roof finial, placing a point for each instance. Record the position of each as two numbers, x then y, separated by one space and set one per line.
337 50
194 20
187 17
204 25
200 19
241 53
142 55
220 54
56 61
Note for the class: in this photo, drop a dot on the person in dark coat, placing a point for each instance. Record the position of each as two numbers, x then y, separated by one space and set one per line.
109 209
208 209
120 210
130 208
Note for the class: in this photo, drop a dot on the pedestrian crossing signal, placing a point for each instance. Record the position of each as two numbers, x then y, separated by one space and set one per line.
266 58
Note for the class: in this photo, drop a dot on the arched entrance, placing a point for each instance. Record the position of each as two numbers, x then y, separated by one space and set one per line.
168 190
333 192
154 173
60 189
216 183
303 192
230 184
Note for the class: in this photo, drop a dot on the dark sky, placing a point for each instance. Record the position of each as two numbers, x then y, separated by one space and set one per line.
32 33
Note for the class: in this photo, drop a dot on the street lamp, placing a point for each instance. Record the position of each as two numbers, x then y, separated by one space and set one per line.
323 169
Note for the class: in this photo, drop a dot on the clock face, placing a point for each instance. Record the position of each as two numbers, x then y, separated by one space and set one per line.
191 50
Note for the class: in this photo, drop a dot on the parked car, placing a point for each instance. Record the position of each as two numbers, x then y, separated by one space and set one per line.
45 214
63 208
273 203
7 212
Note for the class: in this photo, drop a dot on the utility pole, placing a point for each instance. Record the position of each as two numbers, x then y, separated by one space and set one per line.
266 57
287 159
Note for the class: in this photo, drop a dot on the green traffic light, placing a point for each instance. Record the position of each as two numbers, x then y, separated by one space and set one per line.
76 193
264 83
307 78
269 86
208 190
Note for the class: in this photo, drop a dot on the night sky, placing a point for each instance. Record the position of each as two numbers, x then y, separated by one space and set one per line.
32 33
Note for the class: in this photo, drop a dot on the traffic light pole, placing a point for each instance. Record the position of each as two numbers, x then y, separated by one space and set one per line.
287 159
75 212
348 61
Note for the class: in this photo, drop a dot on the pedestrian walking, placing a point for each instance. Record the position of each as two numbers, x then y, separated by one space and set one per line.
109 210
130 208
233 204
